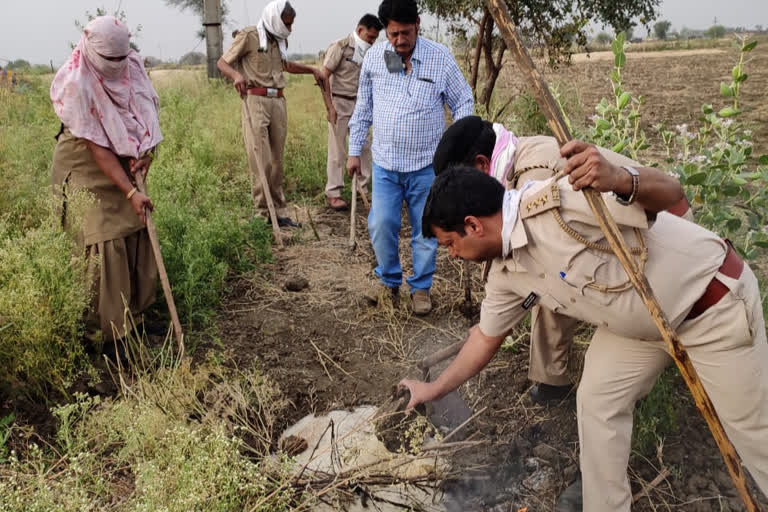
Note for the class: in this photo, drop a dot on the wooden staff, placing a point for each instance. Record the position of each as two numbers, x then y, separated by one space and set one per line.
363 195
611 231
353 214
161 268
265 185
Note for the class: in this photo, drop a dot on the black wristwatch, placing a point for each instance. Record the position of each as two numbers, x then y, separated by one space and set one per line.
624 200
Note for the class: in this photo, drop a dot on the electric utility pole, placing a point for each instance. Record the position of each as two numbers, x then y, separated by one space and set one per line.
214 37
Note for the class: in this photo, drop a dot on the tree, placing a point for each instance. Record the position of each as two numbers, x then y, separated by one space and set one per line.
629 31
552 25
19 64
192 59
197 7
716 32
603 38
661 29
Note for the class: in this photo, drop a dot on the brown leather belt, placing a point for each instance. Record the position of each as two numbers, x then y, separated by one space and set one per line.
268 92
680 208
732 267
344 97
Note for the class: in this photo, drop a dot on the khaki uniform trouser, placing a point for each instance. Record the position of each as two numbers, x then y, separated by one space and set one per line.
727 345
337 150
265 144
120 270
551 341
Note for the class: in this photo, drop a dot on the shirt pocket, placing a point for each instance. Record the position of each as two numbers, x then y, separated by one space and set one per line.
262 61
423 92
549 302
595 278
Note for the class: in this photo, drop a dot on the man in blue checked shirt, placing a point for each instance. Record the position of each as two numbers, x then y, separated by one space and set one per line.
404 85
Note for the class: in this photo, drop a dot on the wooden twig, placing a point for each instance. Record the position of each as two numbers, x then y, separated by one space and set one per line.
155 242
353 214
320 358
329 358
612 234
312 224
649 487
265 185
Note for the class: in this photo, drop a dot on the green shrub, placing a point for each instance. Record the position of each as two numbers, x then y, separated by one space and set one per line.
171 443
201 191
655 416
44 295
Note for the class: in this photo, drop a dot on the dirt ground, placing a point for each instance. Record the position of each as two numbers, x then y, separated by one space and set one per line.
674 84
329 349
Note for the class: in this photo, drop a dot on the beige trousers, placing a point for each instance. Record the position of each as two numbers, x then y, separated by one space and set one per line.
727 345
121 269
551 340
265 144
337 150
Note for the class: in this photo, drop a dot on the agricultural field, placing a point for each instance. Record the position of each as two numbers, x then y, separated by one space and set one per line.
276 334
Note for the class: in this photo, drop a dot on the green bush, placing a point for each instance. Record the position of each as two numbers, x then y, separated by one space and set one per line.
655 416
44 296
144 453
201 191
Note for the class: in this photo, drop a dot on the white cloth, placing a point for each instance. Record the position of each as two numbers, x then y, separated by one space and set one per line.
510 209
361 48
272 22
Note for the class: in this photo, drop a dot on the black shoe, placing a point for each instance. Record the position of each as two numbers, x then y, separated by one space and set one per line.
285 222
114 351
571 499
543 393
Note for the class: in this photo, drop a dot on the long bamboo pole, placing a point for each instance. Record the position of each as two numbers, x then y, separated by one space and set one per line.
155 242
613 235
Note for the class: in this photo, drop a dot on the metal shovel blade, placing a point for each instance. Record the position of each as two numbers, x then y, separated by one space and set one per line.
448 413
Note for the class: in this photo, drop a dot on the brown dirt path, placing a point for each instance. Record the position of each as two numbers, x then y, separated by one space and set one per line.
328 349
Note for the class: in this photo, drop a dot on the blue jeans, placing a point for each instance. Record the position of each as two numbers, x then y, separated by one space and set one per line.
390 189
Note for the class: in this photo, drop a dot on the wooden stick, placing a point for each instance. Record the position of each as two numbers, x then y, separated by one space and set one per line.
353 214
265 186
440 355
363 195
613 236
649 487
161 268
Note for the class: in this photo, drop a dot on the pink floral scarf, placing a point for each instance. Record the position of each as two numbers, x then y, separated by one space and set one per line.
111 103
503 157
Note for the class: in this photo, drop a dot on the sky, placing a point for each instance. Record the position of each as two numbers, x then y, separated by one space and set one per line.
41 31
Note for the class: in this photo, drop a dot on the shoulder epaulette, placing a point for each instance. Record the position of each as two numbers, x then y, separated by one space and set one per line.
544 200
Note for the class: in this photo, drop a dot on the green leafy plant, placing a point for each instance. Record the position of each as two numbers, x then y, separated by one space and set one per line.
728 184
44 297
5 436
617 122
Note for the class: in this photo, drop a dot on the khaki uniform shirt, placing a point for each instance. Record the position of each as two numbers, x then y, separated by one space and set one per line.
345 74
260 67
553 268
111 216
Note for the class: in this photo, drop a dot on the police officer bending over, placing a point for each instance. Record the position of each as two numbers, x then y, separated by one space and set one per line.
547 249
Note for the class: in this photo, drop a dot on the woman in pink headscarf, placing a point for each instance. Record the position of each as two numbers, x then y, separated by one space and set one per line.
109 114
